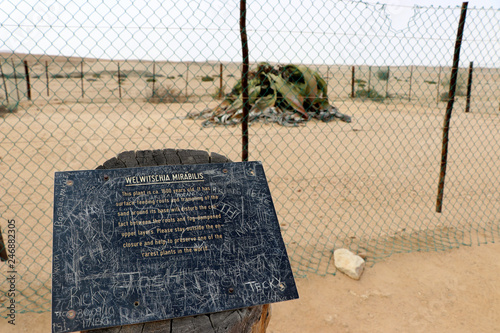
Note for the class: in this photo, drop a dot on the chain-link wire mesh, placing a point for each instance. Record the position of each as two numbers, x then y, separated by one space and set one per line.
111 77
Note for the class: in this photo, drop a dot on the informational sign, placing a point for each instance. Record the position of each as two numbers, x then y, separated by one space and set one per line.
144 244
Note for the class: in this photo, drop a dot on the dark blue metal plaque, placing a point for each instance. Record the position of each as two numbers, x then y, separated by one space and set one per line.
144 244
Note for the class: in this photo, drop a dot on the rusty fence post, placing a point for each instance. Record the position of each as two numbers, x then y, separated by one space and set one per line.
352 82
15 80
387 82
244 80
187 79
411 78
28 83
220 82
47 76
369 77
469 87
439 83
449 108
81 73
154 78
4 84
119 83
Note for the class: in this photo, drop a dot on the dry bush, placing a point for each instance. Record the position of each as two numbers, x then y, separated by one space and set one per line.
383 74
369 94
444 97
167 95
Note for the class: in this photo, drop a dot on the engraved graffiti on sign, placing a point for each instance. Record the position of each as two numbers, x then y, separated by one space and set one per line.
144 244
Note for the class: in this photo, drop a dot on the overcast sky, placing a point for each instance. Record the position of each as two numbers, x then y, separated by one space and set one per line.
320 32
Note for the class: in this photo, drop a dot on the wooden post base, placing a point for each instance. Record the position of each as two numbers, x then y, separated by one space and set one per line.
248 320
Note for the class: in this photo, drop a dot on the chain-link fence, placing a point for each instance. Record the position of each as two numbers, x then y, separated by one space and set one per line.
88 81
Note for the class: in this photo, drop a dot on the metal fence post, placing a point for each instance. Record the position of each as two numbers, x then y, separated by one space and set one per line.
154 77
47 76
28 84
4 84
387 82
81 73
220 82
244 80
469 87
411 78
438 84
120 83
449 108
352 82
15 80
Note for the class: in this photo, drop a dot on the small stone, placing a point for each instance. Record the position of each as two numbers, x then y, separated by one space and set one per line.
348 263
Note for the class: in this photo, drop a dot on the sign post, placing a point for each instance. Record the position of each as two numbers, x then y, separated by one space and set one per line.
136 245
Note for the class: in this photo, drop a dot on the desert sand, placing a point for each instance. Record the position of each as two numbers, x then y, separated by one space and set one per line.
436 292
370 185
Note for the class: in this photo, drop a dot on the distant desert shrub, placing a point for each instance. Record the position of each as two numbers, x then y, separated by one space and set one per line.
444 97
383 75
166 95
207 78
369 94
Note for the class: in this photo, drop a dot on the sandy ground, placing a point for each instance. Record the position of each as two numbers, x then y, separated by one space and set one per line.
453 291
370 185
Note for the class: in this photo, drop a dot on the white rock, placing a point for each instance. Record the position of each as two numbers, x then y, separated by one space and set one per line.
348 263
